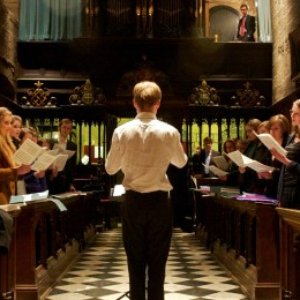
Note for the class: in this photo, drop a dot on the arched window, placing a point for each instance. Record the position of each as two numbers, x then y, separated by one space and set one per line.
50 19
223 22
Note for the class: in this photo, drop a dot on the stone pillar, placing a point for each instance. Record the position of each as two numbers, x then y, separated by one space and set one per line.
285 19
8 39
13 7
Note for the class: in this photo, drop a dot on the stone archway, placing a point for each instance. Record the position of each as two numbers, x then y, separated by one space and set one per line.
223 22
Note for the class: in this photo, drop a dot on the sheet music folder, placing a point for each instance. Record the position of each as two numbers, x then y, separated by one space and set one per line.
37 196
28 197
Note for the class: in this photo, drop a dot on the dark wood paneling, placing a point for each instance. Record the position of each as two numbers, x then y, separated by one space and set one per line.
184 60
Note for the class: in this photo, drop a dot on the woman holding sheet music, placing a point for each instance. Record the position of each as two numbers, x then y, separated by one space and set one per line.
35 181
15 130
9 171
249 180
289 181
279 129
232 177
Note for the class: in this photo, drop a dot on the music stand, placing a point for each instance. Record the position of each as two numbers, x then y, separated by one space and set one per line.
126 294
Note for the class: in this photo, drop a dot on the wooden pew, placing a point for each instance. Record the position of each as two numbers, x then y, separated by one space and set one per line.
8 259
289 253
244 236
49 240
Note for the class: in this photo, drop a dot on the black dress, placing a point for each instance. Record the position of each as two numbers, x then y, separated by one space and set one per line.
249 181
272 185
290 194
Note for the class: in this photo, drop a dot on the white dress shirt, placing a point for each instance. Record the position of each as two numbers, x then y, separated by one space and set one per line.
207 162
143 149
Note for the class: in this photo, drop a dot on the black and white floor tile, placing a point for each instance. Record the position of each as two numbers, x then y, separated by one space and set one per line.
101 273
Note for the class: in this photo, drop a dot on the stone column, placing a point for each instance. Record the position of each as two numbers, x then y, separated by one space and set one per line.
285 19
8 39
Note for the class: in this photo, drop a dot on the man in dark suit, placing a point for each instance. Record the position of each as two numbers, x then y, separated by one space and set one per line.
206 156
246 26
196 161
63 181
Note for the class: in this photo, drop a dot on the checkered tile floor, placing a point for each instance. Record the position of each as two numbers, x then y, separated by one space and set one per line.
101 272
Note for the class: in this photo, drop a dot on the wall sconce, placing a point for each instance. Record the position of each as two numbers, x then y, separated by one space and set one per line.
138 10
151 10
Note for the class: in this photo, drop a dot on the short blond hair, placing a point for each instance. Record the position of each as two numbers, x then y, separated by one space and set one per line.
3 112
16 118
146 94
297 102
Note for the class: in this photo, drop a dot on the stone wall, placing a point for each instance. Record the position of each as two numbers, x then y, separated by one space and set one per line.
13 6
285 19
8 57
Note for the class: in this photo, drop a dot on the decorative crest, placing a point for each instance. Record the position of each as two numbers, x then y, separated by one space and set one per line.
87 95
38 97
204 95
248 96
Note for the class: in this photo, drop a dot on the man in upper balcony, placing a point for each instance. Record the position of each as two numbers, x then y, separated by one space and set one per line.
246 26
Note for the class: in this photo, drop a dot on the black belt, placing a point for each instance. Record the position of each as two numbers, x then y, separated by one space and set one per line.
133 192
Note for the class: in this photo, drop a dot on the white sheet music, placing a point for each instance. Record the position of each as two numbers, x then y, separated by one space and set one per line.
60 150
268 140
242 160
29 197
60 162
43 162
28 152
221 162
238 158
259 167
217 171
41 159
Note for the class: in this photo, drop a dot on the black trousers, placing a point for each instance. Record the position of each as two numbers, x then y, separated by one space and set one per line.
147 231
